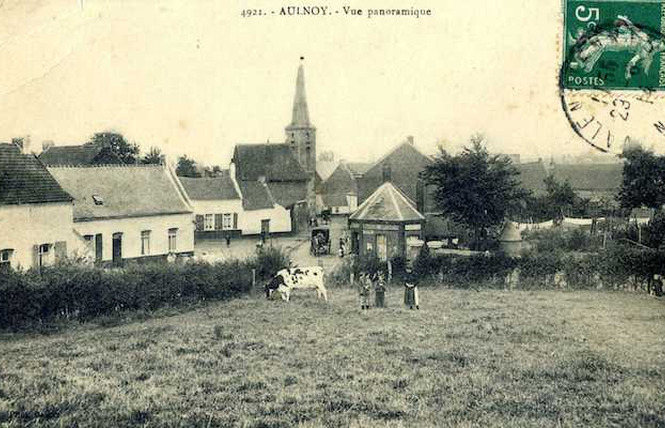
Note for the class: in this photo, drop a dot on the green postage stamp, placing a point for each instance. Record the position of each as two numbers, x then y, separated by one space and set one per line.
612 79
614 44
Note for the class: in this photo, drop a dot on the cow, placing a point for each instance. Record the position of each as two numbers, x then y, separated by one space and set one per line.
293 278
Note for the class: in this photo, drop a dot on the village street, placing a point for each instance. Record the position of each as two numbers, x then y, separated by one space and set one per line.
297 246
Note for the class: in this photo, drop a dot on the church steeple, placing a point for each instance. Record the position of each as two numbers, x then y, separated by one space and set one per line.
300 116
301 135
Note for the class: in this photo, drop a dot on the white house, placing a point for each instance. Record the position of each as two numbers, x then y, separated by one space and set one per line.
217 205
223 207
129 212
36 214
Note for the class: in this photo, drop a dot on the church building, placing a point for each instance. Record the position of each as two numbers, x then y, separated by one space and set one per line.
286 170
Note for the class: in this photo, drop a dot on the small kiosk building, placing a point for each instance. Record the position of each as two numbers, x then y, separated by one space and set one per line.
384 223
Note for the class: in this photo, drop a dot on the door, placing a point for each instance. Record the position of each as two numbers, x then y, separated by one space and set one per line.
117 249
98 247
265 227
382 247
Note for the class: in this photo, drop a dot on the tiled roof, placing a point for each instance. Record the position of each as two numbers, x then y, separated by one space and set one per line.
209 189
24 180
275 162
325 168
532 176
358 168
125 191
255 195
595 177
84 154
406 162
387 203
288 193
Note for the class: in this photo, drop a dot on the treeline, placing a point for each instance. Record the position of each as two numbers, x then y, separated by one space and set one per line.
130 153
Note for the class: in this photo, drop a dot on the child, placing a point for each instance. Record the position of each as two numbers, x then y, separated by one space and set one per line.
380 291
364 285
411 290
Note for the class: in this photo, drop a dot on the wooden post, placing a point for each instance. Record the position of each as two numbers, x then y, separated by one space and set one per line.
253 278
351 278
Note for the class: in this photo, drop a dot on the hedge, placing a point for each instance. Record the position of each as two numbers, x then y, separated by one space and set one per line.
83 292
616 267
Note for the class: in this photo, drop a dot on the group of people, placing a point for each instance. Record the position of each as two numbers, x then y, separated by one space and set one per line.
376 281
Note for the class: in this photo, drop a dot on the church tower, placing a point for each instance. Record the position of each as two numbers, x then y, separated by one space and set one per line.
301 134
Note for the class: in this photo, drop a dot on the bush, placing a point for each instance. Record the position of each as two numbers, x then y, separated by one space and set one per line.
84 292
269 260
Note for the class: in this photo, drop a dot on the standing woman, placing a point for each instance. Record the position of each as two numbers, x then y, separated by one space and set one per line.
411 290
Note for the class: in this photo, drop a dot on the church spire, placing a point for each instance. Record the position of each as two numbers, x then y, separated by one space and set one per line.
300 116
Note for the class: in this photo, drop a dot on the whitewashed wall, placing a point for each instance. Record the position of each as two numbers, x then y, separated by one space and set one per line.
250 221
131 229
24 226
217 207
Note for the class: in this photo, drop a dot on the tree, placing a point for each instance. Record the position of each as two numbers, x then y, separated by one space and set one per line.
127 152
560 197
474 188
154 156
214 171
187 167
643 179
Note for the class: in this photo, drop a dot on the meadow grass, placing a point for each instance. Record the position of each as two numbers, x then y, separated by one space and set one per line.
466 358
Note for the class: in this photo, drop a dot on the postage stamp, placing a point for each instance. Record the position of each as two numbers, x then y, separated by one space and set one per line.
614 44
612 79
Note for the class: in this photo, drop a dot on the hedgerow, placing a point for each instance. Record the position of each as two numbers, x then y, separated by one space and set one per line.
80 292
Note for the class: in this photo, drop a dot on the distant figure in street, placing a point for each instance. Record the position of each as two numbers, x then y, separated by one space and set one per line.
228 240
411 290
342 249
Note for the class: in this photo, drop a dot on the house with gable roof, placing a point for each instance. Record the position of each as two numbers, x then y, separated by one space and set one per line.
222 207
274 187
36 213
339 192
83 154
129 212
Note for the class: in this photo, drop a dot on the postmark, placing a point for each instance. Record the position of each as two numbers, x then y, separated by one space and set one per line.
612 81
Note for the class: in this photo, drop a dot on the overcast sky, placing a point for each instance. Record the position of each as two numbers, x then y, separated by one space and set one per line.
195 77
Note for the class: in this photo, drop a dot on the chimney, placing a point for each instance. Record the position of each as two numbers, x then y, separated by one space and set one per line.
47 144
19 142
409 140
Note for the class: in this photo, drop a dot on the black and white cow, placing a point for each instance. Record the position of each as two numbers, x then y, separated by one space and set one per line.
290 279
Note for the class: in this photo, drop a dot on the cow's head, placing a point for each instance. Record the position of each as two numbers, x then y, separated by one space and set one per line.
273 285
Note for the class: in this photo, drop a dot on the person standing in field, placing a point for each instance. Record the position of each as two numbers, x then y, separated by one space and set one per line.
364 286
411 297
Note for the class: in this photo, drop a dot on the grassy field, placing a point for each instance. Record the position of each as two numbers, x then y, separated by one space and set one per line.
467 358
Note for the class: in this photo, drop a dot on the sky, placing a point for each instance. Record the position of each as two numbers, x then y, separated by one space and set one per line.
195 77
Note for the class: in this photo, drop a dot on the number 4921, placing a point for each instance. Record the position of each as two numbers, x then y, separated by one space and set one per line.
246 13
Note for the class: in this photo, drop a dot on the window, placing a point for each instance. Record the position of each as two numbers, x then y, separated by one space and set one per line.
98 200
145 242
6 259
227 221
209 222
173 236
44 255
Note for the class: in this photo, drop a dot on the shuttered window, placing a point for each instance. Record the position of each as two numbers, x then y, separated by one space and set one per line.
219 222
209 222
199 223
173 239
145 242
6 259
235 220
